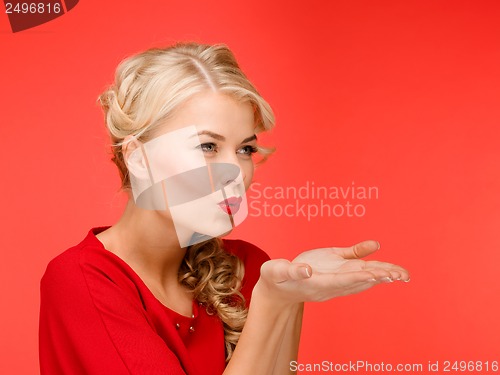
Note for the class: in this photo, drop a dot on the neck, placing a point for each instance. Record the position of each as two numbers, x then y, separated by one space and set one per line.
147 241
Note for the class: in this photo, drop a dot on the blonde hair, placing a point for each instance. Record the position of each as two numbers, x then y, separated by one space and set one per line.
148 88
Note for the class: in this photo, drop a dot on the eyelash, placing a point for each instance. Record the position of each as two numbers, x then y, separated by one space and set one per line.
249 149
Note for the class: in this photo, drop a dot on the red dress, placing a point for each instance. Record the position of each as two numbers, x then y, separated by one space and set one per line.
97 317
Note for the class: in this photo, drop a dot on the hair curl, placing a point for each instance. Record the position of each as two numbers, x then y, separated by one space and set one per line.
148 88
215 277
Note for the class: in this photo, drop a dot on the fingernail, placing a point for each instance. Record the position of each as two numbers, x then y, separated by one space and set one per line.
371 280
386 279
306 272
378 243
407 281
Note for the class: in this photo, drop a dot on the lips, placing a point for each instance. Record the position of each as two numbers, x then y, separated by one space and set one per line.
230 205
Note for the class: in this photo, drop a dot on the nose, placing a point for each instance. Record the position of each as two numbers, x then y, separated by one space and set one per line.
222 174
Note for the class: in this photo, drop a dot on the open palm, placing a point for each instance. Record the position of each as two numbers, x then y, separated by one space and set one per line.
322 274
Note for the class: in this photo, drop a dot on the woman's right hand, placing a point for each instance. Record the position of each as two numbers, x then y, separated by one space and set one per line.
322 274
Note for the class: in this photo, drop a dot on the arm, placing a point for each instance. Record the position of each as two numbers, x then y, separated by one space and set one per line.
285 344
261 344
290 346
271 334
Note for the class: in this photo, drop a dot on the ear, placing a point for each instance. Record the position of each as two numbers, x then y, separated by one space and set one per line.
134 158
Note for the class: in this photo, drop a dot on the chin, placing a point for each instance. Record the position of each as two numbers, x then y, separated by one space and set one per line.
225 234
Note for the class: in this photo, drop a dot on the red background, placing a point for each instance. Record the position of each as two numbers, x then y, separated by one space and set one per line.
399 95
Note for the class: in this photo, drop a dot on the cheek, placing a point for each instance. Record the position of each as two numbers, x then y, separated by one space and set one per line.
247 170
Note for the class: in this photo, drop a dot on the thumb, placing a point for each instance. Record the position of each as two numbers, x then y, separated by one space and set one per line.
357 251
281 270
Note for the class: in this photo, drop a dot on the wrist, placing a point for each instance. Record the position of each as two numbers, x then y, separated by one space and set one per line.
267 295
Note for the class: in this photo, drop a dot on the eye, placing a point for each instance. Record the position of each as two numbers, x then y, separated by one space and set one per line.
247 150
208 147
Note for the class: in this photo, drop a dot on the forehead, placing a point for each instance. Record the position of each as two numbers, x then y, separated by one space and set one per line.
213 111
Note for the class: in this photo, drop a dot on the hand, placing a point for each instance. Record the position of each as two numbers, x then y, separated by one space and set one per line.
322 274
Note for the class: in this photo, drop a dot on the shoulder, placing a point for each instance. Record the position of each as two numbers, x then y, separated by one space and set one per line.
67 262
68 272
87 278
63 286
64 267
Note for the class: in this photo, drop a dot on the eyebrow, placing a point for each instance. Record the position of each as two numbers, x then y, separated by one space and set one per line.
222 138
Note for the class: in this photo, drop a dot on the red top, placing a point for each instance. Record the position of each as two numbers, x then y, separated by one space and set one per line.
97 317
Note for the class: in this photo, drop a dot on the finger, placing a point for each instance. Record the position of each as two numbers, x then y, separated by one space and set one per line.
347 283
357 251
336 285
389 275
352 289
360 287
397 272
349 279
356 282
281 270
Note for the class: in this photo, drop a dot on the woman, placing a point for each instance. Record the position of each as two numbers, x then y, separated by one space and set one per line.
159 292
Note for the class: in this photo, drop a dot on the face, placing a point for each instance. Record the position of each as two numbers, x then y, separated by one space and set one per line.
198 166
225 129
